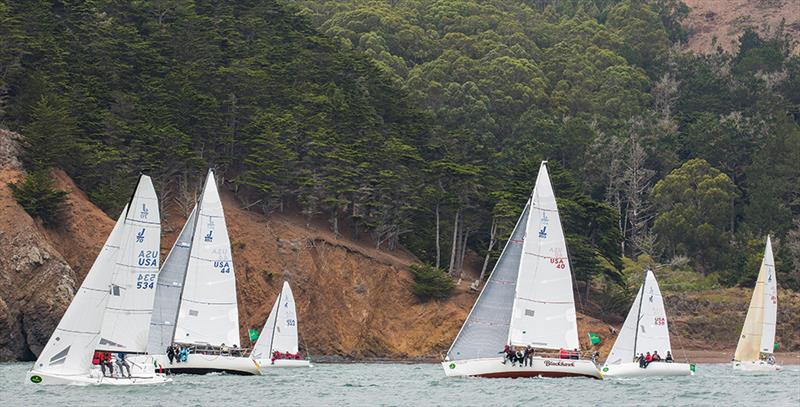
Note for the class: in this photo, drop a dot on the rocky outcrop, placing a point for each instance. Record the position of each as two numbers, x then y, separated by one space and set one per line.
36 282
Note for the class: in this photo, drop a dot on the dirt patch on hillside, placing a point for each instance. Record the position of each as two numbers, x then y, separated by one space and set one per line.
726 20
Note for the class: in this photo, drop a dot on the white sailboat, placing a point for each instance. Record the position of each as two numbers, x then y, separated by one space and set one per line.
196 305
279 336
756 344
108 311
645 330
527 300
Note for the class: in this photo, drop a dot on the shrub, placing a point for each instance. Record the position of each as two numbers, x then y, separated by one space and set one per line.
431 282
39 197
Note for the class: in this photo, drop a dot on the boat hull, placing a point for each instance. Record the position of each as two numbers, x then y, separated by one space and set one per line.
95 377
653 369
755 366
541 367
284 363
203 364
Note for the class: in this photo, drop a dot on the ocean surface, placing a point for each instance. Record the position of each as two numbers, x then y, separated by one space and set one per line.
414 385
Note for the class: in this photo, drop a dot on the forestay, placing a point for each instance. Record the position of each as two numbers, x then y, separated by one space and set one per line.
770 299
208 311
71 346
126 322
485 331
169 289
280 330
544 307
647 314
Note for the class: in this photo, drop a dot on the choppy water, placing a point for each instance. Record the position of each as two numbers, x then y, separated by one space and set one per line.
419 384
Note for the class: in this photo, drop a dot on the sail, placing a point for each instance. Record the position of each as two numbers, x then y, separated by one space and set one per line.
485 331
647 314
126 322
208 311
770 299
544 307
751 339
71 346
169 289
280 331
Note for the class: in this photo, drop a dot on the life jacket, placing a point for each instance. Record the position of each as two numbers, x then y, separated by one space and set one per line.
648 358
97 358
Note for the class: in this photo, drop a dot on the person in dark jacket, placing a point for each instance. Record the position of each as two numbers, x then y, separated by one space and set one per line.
170 353
123 363
668 359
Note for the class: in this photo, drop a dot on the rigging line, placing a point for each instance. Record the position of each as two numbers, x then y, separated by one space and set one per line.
639 316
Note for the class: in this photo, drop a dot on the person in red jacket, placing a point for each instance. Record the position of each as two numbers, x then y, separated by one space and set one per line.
647 359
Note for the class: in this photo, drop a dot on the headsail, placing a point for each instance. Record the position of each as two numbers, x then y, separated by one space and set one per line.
544 307
69 349
757 324
485 331
126 322
647 314
280 331
770 300
208 312
169 289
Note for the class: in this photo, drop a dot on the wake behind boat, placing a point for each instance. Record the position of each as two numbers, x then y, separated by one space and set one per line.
196 307
111 310
757 341
277 344
645 330
527 302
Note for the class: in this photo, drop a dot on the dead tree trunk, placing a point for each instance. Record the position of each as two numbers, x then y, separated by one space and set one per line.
492 233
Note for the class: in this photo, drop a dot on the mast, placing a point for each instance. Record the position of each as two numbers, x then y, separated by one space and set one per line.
639 316
275 324
198 208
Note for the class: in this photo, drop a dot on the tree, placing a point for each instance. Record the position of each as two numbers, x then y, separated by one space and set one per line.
694 205
39 197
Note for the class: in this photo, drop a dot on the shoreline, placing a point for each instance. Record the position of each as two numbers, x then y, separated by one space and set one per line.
692 356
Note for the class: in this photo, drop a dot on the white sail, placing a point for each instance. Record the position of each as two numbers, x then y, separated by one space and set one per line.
485 331
71 346
770 300
280 331
757 324
208 312
169 288
648 316
126 322
544 307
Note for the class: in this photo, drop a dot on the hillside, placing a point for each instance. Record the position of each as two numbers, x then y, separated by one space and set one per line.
724 21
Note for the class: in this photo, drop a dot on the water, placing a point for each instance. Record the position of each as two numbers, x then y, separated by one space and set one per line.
418 384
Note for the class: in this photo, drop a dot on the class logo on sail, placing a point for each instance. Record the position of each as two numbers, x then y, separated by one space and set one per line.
140 236
143 214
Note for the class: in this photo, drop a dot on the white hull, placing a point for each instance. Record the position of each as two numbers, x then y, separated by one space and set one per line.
202 364
95 377
653 369
281 363
755 366
541 367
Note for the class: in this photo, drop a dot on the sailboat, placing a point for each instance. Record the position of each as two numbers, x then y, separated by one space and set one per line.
756 344
196 305
111 310
645 330
278 339
527 301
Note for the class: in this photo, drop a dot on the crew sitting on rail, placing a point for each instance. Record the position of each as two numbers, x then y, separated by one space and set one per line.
668 359
656 356
508 354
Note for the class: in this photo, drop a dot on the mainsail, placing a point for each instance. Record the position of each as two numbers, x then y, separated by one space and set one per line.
648 316
126 322
208 311
169 289
758 332
485 331
544 307
69 349
280 330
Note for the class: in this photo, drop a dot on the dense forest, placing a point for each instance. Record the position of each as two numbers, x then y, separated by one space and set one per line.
422 123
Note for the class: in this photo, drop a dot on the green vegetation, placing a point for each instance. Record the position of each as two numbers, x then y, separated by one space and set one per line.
38 195
431 282
423 123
